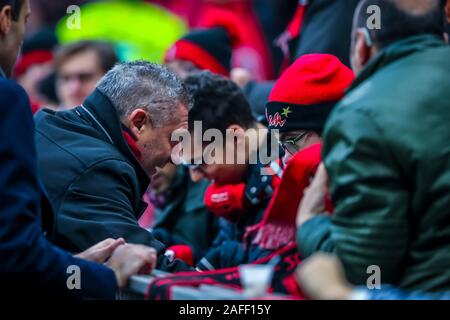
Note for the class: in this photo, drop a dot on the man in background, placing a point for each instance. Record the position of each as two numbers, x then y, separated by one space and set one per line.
79 66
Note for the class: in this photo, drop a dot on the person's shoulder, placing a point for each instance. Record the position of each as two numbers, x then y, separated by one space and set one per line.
359 103
14 101
67 136
6 84
12 91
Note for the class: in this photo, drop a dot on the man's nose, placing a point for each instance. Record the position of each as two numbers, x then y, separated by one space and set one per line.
196 175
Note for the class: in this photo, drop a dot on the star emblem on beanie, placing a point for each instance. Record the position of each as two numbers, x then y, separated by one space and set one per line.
286 112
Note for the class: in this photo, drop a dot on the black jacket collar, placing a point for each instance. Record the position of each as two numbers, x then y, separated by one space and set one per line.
102 109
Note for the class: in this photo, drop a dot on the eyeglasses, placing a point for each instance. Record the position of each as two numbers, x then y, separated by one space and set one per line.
291 145
82 77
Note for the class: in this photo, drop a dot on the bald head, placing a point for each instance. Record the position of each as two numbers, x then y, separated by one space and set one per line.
402 19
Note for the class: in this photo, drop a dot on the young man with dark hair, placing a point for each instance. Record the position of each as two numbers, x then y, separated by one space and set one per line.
79 66
386 152
239 192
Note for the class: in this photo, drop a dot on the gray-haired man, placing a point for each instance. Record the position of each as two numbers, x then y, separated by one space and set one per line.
95 160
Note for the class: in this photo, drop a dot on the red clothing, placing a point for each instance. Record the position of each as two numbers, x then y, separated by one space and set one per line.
253 54
278 226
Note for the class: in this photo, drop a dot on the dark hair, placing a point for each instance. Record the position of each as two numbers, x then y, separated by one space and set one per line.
105 52
398 22
218 102
16 6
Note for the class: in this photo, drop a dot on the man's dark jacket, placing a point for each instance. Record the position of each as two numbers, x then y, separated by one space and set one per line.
30 266
93 179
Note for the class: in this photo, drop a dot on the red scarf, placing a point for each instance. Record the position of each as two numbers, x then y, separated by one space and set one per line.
278 226
131 142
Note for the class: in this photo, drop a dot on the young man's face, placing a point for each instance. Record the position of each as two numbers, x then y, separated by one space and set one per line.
77 77
12 33
223 171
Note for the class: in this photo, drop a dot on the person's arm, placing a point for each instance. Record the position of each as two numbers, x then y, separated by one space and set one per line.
28 261
322 277
98 206
370 222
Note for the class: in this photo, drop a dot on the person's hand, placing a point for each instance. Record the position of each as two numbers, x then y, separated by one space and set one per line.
322 277
131 259
240 76
313 201
101 251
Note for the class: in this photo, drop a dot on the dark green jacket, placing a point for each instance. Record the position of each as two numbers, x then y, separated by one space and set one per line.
185 218
387 153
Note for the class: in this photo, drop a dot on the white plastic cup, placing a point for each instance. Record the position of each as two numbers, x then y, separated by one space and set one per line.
255 279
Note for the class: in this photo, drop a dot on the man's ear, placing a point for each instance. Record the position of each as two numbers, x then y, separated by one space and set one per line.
138 120
5 19
362 49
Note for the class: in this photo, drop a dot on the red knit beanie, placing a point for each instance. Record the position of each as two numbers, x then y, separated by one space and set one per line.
306 92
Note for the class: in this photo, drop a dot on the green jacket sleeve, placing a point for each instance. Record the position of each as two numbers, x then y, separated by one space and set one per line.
370 222
315 235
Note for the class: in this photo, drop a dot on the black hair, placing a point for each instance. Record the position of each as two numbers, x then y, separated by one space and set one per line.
16 6
218 102
398 23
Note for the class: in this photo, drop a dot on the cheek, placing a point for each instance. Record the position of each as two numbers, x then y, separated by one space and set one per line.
89 87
